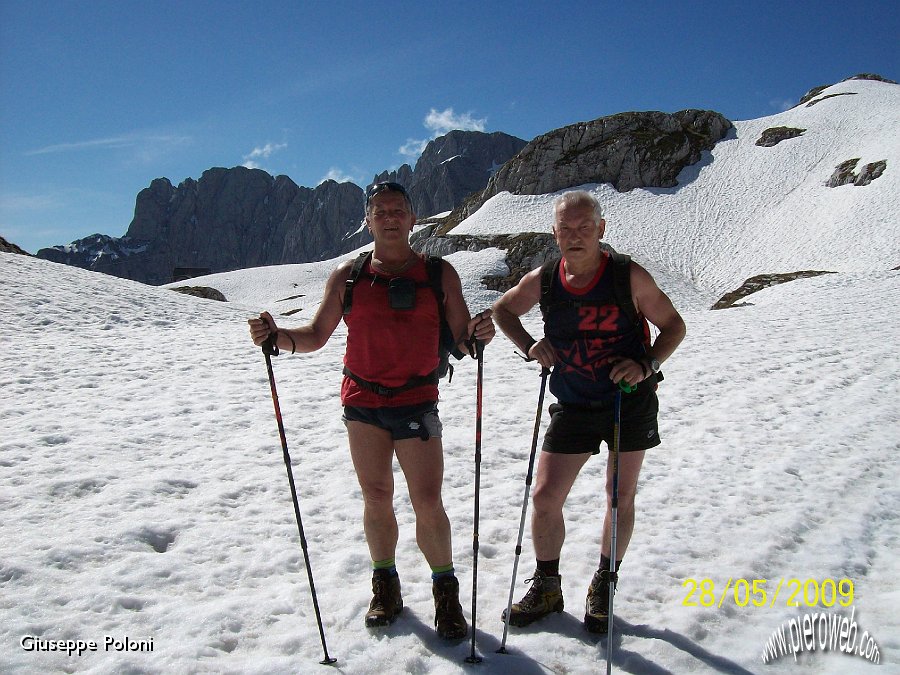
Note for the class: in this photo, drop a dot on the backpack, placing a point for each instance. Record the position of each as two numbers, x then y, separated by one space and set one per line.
621 292
446 342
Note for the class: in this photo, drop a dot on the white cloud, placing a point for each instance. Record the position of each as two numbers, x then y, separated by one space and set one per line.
782 104
125 141
413 148
339 176
266 150
261 152
440 123
34 202
446 120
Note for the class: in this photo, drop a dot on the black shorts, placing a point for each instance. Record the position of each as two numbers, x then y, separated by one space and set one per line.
406 421
577 429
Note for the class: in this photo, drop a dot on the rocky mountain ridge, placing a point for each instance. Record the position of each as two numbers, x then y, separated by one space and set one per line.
239 217
236 218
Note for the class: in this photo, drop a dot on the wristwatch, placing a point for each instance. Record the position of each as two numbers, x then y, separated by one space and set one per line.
654 365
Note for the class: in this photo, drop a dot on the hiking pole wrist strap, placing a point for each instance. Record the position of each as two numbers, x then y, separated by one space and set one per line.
645 368
288 336
527 349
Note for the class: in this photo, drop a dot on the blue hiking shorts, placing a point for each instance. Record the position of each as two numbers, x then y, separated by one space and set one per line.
406 421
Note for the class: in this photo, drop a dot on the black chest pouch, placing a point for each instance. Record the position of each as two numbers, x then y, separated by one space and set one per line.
402 293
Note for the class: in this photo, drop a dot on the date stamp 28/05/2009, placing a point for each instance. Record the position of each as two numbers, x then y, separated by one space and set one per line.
768 592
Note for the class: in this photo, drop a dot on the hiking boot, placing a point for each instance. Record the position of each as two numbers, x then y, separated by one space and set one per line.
449 621
596 607
386 601
544 597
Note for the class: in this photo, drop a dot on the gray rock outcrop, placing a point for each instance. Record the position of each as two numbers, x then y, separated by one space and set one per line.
9 247
774 135
204 292
845 173
628 150
524 251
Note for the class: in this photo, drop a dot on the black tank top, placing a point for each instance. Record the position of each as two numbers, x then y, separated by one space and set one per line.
586 328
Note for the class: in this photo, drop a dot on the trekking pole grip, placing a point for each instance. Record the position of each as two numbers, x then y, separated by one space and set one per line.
269 347
627 388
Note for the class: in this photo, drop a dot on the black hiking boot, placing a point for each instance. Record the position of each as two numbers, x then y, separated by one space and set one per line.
596 607
449 621
386 601
544 597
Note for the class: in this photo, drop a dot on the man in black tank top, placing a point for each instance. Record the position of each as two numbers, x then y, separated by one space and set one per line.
591 347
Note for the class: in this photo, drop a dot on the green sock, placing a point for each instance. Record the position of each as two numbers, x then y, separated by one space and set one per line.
385 565
442 571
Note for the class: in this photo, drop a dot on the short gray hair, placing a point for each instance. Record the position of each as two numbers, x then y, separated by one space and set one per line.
578 198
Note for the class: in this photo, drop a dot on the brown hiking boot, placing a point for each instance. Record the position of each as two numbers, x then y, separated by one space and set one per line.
544 597
386 601
449 621
596 609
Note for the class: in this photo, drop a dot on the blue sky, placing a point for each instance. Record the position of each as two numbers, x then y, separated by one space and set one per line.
99 98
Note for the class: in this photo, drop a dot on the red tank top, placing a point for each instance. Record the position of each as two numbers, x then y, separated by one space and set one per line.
389 346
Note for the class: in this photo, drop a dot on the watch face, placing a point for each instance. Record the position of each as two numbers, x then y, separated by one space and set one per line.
654 364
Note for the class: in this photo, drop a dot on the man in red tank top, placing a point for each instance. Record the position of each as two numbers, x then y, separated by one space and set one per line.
583 343
390 340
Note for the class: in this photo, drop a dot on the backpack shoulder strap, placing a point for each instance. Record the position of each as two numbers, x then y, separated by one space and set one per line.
434 267
355 271
622 283
549 272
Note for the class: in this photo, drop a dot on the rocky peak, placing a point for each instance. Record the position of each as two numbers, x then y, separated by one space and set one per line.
451 167
228 219
628 150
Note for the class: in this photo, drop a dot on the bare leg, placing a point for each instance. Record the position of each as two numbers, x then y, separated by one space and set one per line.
422 463
372 451
555 476
629 470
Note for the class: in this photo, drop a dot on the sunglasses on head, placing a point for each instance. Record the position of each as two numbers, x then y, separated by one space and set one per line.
386 186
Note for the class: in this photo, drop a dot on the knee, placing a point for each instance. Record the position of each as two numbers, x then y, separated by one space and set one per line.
377 494
427 503
626 493
546 500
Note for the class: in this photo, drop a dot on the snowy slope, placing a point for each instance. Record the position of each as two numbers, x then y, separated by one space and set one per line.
747 210
144 492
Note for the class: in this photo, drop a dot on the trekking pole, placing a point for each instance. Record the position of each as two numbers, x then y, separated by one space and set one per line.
479 355
613 576
512 585
270 349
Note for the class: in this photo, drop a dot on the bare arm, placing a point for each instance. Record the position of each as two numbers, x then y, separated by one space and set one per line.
656 306
461 322
513 304
315 334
